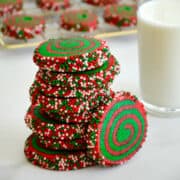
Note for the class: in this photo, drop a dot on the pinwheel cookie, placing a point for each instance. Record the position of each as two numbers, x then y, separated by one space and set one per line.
120 131
71 54
101 77
23 26
79 20
53 159
121 15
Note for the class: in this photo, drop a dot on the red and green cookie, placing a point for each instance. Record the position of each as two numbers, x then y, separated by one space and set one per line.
84 117
121 15
23 26
56 91
100 2
96 78
55 160
120 132
79 20
45 127
8 7
70 105
74 144
53 5
71 54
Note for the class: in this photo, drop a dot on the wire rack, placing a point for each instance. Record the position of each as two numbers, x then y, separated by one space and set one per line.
53 29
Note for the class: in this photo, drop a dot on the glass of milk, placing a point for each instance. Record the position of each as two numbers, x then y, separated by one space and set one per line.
159 55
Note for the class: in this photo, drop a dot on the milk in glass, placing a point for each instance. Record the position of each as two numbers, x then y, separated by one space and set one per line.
159 55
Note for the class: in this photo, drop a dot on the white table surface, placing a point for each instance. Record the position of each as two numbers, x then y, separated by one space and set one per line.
158 159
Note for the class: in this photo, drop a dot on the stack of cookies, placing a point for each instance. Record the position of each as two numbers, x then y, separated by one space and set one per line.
77 121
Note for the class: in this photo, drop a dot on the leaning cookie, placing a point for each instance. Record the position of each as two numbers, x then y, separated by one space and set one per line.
121 15
100 2
95 78
45 127
120 131
23 26
79 20
53 159
8 7
53 5
70 145
71 54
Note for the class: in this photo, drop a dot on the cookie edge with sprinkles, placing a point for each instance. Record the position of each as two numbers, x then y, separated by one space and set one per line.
94 131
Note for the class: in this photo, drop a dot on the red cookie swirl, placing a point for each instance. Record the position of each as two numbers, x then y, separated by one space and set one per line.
120 132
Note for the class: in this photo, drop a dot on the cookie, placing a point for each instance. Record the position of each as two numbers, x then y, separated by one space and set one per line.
23 26
120 132
70 105
53 5
91 116
71 54
100 2
101 77
53 159
84 117
45 127
8 7
55 91
74 144
121 15
79 20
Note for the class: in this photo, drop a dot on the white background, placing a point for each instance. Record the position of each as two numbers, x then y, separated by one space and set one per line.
158 159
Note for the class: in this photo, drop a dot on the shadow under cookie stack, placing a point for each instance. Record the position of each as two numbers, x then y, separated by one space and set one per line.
77 121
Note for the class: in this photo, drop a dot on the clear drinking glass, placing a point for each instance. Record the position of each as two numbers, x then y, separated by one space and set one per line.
159 55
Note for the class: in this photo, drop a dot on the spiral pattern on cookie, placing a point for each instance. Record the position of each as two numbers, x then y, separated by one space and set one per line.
69 47
123 130
71 54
